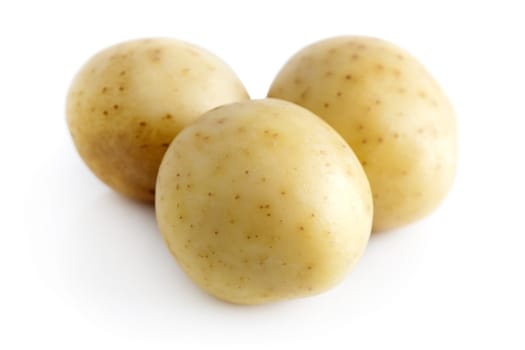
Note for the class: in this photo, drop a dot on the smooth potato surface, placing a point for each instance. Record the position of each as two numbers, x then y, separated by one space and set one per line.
391 112
260 201
129 101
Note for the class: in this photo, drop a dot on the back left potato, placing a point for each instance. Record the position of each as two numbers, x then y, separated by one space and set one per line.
129 101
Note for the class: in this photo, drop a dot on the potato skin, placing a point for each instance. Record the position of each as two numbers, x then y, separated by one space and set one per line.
391 112
260 201
129 101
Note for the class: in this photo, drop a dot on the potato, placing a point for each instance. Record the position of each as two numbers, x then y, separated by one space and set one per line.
129 101
260 201
391 112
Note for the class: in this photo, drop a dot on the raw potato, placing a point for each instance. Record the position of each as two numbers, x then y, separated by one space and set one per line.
260 201
391 112
129 101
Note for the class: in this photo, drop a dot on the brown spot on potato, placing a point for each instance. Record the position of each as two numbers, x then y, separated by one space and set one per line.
348 77
380 139
305 93
379 67
143 124
326 105
165 145
339 93
355 57
364 141
115 106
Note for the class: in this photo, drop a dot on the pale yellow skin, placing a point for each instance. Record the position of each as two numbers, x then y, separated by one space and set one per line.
129 101
391 112
260 201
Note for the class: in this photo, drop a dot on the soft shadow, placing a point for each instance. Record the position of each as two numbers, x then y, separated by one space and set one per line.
112 255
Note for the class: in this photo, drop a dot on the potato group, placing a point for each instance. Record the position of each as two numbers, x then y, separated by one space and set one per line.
265 200
391 112
129 101
260 201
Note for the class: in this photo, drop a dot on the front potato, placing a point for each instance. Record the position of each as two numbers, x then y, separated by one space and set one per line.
260 201
391 112
129 101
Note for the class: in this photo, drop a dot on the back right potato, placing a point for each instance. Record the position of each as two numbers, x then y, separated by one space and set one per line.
392 113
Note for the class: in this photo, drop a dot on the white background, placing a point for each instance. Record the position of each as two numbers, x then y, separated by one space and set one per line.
83 268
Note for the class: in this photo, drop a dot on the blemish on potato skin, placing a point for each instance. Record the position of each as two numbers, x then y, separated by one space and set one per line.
143 124
348 77
304 94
